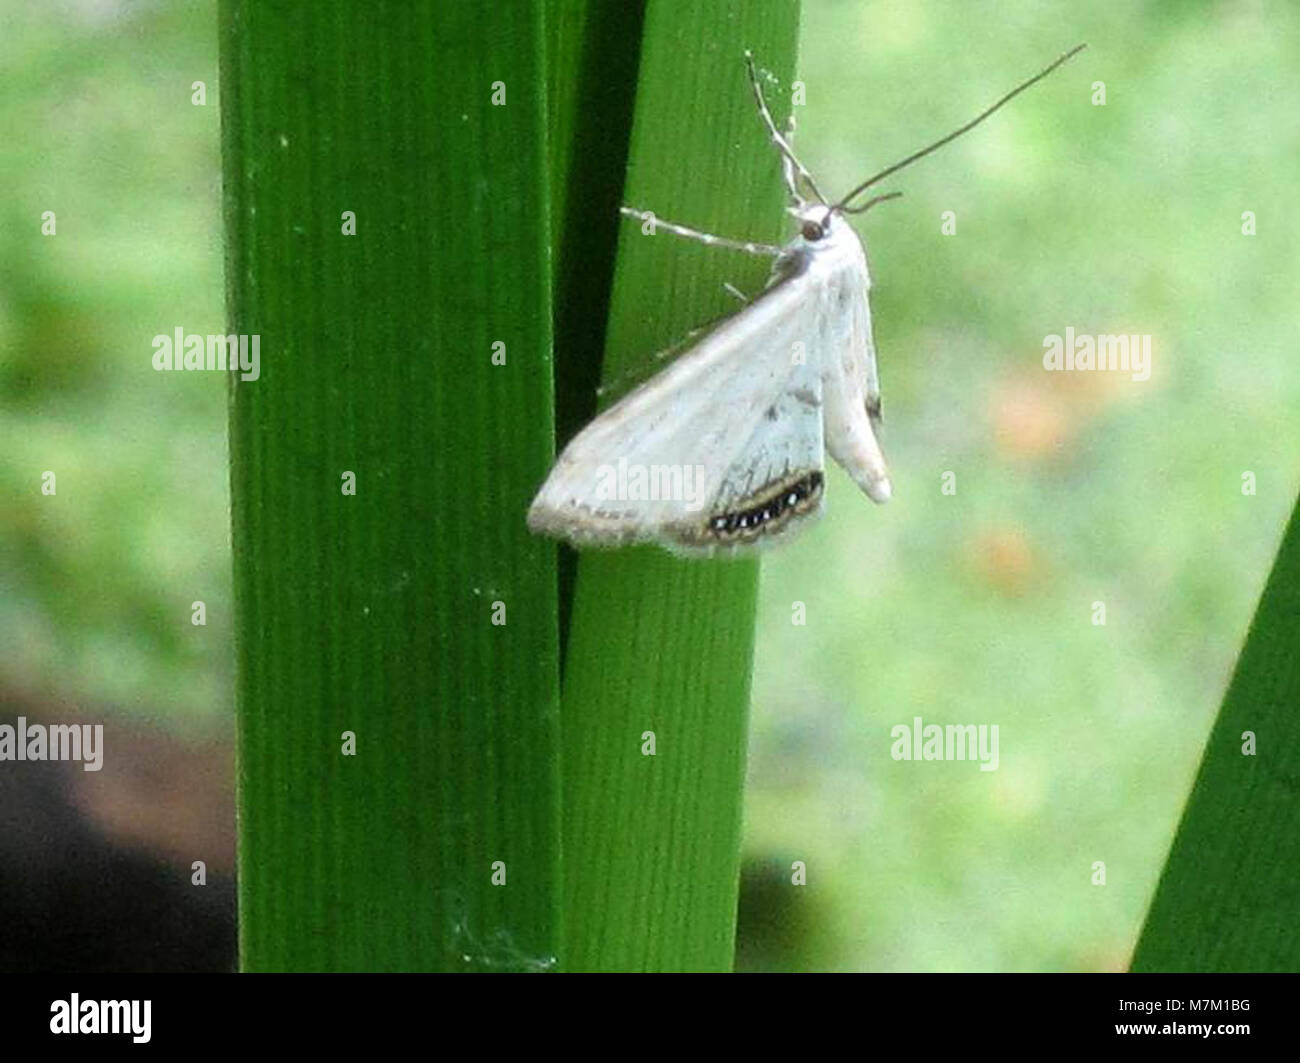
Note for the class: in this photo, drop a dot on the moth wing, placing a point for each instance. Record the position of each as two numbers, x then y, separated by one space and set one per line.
852 387
860 337
772 480
735 419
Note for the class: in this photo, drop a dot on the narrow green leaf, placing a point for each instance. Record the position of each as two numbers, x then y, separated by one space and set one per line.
373 612
658 644
595 48
1227 900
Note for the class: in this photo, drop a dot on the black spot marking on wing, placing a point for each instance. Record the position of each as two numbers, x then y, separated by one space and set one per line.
767 510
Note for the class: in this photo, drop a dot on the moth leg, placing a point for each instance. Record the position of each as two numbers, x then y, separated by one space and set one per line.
787 153
636 374
787 168
733 290
766 250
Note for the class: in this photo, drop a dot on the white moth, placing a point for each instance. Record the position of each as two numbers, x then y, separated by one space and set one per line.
725 448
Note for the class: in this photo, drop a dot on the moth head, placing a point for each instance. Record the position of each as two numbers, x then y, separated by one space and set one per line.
816 221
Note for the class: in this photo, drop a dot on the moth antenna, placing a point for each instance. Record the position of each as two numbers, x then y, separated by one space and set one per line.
869 203
843 203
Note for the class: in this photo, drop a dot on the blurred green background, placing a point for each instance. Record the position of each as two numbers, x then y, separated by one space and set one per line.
974 607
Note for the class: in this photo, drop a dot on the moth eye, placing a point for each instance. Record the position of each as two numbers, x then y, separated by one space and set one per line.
812 231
